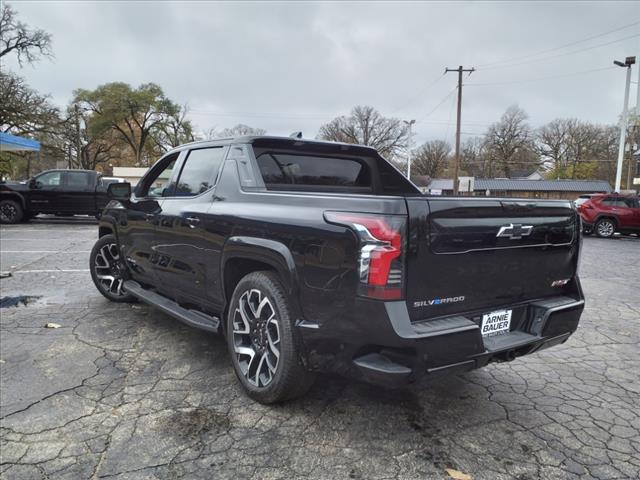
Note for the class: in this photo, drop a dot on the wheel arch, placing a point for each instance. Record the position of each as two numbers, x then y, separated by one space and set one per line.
106 226
17 197
607 216
242 255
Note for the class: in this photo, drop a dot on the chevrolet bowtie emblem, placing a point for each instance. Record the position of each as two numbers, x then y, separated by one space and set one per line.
515 231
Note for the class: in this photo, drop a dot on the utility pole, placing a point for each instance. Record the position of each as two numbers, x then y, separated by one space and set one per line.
78 144
456 167
623 123
409 124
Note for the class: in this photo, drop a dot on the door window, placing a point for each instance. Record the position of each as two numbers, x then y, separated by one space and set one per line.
157 183
51 179
78 180
200 171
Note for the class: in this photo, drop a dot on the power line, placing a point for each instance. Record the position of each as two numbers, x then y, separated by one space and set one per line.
438 105
554 49
529 80
422 92
573 52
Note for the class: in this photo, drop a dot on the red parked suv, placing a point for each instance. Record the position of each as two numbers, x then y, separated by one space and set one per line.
607 213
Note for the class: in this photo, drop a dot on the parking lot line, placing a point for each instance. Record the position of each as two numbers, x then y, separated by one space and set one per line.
71 270
4 239
45 251
76 230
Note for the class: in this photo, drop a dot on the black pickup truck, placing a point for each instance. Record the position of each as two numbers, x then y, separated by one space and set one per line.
315 256
60 192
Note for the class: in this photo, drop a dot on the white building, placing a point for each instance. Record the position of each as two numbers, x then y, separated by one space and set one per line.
130 174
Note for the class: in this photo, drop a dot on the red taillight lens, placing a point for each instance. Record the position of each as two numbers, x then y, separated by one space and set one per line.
380 262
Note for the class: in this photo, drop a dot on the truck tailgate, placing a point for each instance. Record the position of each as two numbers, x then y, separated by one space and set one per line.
470 254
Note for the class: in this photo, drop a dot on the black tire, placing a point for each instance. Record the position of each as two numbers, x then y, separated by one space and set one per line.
587 230
605 227
108 272
275 378
11 212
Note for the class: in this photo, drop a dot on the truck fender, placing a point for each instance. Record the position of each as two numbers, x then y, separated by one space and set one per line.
106 225
11 195
273 253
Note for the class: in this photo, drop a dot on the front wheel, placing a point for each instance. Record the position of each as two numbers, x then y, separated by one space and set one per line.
605 228
262 343
108 271
11 212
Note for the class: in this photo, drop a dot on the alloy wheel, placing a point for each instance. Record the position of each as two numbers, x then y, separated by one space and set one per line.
8 212
605 228
256 338
108 270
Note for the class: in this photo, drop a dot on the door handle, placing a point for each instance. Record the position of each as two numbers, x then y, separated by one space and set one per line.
192 221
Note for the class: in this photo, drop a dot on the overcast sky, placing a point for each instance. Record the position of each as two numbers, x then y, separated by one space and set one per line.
293 66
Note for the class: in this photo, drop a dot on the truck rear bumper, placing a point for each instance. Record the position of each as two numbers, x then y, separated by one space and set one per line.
409 351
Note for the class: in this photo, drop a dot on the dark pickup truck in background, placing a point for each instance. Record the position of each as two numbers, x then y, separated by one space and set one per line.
315 256
59 192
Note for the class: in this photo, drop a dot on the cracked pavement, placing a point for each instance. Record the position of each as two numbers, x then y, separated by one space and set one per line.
123 391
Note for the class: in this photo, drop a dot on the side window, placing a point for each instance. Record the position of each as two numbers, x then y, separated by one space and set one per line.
77 180
51 179
308 169
157 185
200 171
609 202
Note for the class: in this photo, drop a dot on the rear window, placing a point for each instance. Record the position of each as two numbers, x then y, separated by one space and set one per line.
280 170
624 202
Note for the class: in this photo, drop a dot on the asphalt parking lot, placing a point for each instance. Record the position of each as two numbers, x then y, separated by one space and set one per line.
122 391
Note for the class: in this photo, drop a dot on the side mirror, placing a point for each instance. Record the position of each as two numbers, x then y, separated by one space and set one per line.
33 183
119 191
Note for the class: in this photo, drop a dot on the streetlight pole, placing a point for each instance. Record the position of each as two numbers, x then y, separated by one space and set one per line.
409 124
623 123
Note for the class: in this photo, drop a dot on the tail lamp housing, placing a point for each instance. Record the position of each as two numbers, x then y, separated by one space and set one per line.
381 246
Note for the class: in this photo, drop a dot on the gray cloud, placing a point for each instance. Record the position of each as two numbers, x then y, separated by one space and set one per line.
292 66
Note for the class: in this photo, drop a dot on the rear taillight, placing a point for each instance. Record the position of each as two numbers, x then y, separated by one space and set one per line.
380 259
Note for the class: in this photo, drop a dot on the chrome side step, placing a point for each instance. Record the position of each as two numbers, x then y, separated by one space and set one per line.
192 318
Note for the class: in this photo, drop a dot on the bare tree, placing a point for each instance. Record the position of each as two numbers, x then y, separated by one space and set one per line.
552 143
431 158
16 37
474 159
510 142
174 131
239 130
24 111
366 126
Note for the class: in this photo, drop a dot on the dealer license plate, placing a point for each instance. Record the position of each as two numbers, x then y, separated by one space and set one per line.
496 323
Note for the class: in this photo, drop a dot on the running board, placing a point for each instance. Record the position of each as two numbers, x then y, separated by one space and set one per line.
192 318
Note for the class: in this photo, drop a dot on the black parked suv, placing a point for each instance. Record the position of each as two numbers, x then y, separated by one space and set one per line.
314 256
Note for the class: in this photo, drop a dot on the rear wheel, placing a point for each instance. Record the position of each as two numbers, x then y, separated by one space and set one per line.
605 228
11 211
262 343
108 271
